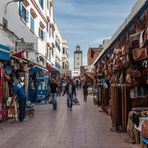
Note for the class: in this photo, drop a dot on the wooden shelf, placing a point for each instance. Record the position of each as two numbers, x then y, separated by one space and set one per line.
139 102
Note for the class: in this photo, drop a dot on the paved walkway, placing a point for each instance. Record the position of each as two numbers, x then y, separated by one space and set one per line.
84 127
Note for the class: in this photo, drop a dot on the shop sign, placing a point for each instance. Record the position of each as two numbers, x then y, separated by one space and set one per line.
24 46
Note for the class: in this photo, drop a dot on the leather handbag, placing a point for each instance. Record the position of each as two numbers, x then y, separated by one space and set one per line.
135 73
128 79
145 128
134 40
140 53
146 36
121 79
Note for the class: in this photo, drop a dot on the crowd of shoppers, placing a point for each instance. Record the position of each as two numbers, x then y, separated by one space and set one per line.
69 89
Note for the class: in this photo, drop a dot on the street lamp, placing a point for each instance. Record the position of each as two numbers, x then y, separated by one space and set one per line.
9 3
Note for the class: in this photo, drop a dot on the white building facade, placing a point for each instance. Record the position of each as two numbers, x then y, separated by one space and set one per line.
65 60
58 48
32 21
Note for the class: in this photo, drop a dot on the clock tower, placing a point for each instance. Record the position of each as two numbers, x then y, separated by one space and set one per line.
77 58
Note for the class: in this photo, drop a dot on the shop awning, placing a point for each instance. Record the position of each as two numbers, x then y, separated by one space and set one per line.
55 70
4 52
37 68
20 59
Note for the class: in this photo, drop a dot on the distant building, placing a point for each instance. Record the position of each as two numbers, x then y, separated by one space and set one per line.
93 53
65 60
77 61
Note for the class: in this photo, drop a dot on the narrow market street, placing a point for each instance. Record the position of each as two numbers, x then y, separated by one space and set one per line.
83 127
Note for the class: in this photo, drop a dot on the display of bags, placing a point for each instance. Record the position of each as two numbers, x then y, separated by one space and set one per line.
135 73
128 79
140 53
137 39
145 128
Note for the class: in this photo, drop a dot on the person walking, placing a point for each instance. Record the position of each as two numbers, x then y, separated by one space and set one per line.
18 91
70 89
53 92
80 84
85 91
77 84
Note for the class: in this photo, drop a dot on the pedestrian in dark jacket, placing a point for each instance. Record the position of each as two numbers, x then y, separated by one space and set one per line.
85 91
53 92
70 89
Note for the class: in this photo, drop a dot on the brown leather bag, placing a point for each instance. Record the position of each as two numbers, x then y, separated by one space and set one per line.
140 53
128 76
121 79
146 36
128 79
134 40
145 128
135 73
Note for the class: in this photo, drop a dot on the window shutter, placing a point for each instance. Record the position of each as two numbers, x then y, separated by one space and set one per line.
39 32
27 16
42 4
20 8
32 23
43 35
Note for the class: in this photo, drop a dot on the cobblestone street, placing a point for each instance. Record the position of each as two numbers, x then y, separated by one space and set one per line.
84 127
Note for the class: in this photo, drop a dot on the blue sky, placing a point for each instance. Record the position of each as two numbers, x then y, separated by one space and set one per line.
89 22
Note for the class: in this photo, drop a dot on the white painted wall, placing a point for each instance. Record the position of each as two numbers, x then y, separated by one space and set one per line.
14 24
65 56
58 38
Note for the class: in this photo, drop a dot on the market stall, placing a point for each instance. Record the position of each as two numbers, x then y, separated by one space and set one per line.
125 65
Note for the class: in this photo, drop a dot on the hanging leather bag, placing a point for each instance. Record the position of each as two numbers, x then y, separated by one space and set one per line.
140 53
145 128
135 73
